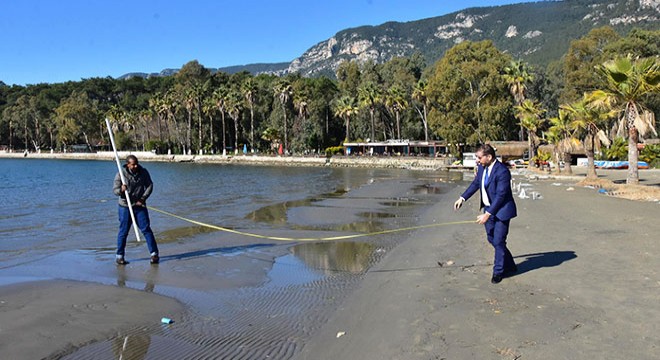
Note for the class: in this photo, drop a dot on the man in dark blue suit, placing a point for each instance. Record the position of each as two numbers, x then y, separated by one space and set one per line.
493 179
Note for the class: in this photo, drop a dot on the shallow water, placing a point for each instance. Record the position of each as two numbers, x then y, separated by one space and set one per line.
248 297
50 204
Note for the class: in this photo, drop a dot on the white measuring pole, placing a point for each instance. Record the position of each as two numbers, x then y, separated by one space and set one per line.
123 180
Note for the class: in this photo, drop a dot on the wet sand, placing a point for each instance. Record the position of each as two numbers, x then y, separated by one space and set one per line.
587 286
46 318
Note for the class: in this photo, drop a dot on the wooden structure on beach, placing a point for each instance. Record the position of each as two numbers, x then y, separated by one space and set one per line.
397 148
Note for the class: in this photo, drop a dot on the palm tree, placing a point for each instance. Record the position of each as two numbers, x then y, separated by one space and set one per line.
301 104
198 91
273 137
234 103
220 100
396 101
345 108
590 119
628 82
517 75
188 98
169 105
283 91
529 113
249 90
561 135
209 108
420 96
155 104
370 96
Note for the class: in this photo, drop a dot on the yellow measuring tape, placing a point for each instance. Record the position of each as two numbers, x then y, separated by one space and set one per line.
343 237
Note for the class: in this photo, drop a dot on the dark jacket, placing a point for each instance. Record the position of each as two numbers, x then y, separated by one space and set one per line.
139 184
498 190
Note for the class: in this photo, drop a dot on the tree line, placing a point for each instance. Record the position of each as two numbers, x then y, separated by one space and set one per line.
474 94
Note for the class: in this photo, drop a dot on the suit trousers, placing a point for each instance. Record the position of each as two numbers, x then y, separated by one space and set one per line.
496 232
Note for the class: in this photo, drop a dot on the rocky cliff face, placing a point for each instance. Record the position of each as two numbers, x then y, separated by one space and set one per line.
542 28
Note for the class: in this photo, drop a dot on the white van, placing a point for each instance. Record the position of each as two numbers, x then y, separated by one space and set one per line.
469 160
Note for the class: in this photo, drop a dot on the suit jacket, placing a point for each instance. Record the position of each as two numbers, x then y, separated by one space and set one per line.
498 190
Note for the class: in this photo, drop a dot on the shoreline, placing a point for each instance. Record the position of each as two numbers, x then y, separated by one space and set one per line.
390 162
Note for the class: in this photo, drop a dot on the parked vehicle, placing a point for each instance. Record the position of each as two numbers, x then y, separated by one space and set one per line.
469 160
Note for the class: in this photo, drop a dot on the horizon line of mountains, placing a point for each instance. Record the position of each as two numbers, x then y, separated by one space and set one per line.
535 32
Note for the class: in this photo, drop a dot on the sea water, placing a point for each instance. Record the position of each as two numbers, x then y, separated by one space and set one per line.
62 205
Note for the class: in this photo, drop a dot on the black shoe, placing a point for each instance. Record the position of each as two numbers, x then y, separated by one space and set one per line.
496 279
155 259
121 261
511 271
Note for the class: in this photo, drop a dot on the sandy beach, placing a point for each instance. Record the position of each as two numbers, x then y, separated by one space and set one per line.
587 284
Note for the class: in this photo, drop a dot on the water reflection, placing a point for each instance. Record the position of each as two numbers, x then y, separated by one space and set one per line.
173 235
150 278
131 347
353 257
356 226
399 203
427 189
277 213
376 215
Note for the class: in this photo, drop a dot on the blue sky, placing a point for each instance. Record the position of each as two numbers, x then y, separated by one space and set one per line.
56 41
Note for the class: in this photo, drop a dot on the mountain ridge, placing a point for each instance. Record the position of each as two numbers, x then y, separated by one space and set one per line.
536 32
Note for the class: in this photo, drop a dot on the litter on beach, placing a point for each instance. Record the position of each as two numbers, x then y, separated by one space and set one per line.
340 334
570 189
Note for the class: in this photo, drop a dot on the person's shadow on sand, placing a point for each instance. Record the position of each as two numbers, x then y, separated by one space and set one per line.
541 260
227 250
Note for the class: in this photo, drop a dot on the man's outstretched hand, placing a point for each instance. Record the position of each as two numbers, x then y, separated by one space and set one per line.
458 203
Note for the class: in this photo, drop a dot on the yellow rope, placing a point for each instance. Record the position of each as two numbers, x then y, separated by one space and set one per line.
343 237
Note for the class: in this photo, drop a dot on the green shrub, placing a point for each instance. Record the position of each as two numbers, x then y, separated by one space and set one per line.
159 146
618 151
123 141
542 156
334 150
650 153
655 164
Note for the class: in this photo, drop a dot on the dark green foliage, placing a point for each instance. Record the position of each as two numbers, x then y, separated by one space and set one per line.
618 150
651 154
334 150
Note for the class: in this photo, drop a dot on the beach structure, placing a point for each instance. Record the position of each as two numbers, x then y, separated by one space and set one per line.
396 148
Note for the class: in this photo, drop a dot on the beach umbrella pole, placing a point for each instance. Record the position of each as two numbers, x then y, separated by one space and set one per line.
123 179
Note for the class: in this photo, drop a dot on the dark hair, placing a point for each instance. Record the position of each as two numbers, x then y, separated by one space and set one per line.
132 158
486 149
